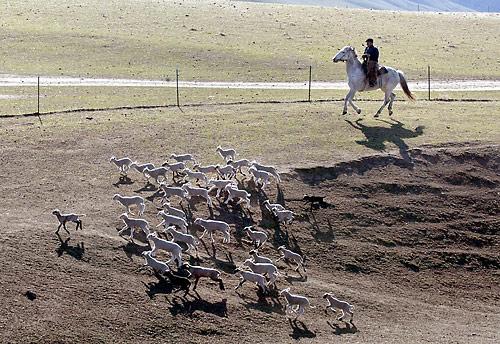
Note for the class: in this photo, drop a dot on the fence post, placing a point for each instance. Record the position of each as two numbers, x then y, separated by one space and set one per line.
38 100
177 85
310 80
429 81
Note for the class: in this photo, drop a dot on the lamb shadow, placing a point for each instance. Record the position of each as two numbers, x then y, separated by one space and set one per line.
377 136
190 306
262 305
227 266
148 187
349 328
131 249
76 252
300 332
123 180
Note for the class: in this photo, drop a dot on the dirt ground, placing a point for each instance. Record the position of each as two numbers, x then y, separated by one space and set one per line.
414 246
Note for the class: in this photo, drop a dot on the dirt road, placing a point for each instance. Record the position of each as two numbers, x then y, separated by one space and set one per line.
437 85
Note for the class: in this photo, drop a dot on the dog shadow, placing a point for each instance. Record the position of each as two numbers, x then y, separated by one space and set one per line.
191 306
349 328
76 252
300 330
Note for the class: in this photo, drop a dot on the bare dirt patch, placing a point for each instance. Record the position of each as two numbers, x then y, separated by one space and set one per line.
414 246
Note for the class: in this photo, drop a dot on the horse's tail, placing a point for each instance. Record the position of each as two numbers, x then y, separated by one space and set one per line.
404 85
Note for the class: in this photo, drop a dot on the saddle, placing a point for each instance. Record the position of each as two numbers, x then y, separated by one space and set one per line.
381 69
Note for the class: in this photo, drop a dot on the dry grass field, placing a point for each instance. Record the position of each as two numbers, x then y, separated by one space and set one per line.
228 40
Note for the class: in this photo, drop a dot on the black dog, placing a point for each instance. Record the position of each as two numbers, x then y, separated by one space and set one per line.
316 202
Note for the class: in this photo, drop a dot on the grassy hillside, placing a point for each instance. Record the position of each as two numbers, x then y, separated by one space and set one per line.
235 40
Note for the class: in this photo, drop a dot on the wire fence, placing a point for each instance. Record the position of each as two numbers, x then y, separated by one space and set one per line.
71 97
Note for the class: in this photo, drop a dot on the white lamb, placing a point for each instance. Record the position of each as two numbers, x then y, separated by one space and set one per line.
206 169
198 272
191 175
173 220
128 201
170 191
336 303
264 268
238 164
219 184
295 303
188 239
175 167
226 172
290 255
123 164
233 192
256 278
155 173
174 249
270 169
272 206
258 237
63 218
140 168
155 264
260 259
168 209
226 154
200 192
183 158
284 216
211 226
133 223
262 176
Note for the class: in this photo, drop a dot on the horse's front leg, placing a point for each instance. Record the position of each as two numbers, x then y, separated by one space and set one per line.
348 99
357 109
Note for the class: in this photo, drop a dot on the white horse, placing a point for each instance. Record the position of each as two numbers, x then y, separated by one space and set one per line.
359 83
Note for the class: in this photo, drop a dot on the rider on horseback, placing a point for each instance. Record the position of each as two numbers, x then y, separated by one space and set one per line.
370 57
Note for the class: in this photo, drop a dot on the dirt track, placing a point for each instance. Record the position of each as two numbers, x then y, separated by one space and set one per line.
437 85
415 247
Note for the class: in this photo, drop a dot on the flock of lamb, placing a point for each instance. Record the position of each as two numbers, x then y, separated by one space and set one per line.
256 269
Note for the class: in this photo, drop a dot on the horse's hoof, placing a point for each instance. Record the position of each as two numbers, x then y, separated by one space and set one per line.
390 113
376 115
358 111
344 113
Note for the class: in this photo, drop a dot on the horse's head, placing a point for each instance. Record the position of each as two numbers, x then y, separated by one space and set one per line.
345 54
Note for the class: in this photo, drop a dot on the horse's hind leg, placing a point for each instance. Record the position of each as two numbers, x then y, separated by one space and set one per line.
393 96
387 100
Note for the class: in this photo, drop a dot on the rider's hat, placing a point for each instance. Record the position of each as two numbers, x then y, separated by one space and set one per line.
369 40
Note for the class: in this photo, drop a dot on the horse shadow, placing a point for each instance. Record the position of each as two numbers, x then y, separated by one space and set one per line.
300 330
76 251
376 137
